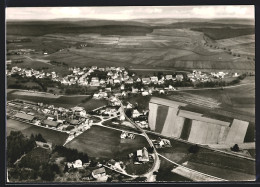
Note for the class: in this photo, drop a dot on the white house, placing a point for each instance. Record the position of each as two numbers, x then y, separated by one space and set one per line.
168 77
135 114
145 93
154 79
77 164
98 173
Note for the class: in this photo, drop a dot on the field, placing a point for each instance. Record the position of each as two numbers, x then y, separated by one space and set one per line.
239 99
165 173
52 136
131 44
210 162
102 142
61 101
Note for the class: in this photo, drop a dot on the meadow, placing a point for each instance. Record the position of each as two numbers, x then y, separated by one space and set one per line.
49 135
134 44
60 101
101 142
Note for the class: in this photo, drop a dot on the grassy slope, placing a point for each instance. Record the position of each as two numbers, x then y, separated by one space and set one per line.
105 143
55 137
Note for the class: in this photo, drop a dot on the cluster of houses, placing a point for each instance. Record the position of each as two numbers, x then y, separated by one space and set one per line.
71 120
31 72
161 143
127 135
98 174
198 76
141 156
20 51
140 118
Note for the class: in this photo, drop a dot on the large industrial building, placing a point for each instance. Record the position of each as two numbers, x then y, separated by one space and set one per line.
166 118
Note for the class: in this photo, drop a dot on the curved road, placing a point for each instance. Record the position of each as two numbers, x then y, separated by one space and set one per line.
156 164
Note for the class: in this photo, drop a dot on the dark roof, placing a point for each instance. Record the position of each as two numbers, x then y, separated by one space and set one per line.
74 122
24 116
51 123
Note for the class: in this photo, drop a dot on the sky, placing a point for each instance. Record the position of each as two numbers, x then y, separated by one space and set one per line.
131 12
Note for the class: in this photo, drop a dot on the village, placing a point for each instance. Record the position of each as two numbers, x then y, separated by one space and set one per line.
118 79
75 121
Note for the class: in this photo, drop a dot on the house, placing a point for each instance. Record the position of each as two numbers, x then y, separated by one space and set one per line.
235 75
123 94
24 117
154 79
168 77
138 80
110 73
44 145
94 81
161 91
50 123
122 87
145 93
146 80
142 155
134 90
129 81
102 81
129 105
74 122
136 114
116 80
108 89
179 77
98 173
190 75
161 81
77 164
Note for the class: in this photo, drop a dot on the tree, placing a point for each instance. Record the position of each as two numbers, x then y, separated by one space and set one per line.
193 149
128 112
235 148
47 174
40 138
66 168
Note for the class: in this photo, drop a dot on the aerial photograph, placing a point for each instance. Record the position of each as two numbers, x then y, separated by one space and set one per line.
129 94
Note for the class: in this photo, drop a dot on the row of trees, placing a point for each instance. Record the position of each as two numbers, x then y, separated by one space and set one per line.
220 83
71 154
17 145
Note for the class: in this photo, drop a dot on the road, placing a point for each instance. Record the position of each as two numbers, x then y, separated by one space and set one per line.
195 175
39 60
156 164
215 88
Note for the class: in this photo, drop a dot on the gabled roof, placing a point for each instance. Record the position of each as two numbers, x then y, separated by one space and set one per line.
51 123
24 116
99 171
74 122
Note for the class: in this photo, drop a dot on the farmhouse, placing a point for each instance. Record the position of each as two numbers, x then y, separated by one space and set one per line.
74 122
179 77
129 81
98 173
146 80
168 77
24 117
142 155
49 123
154 79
